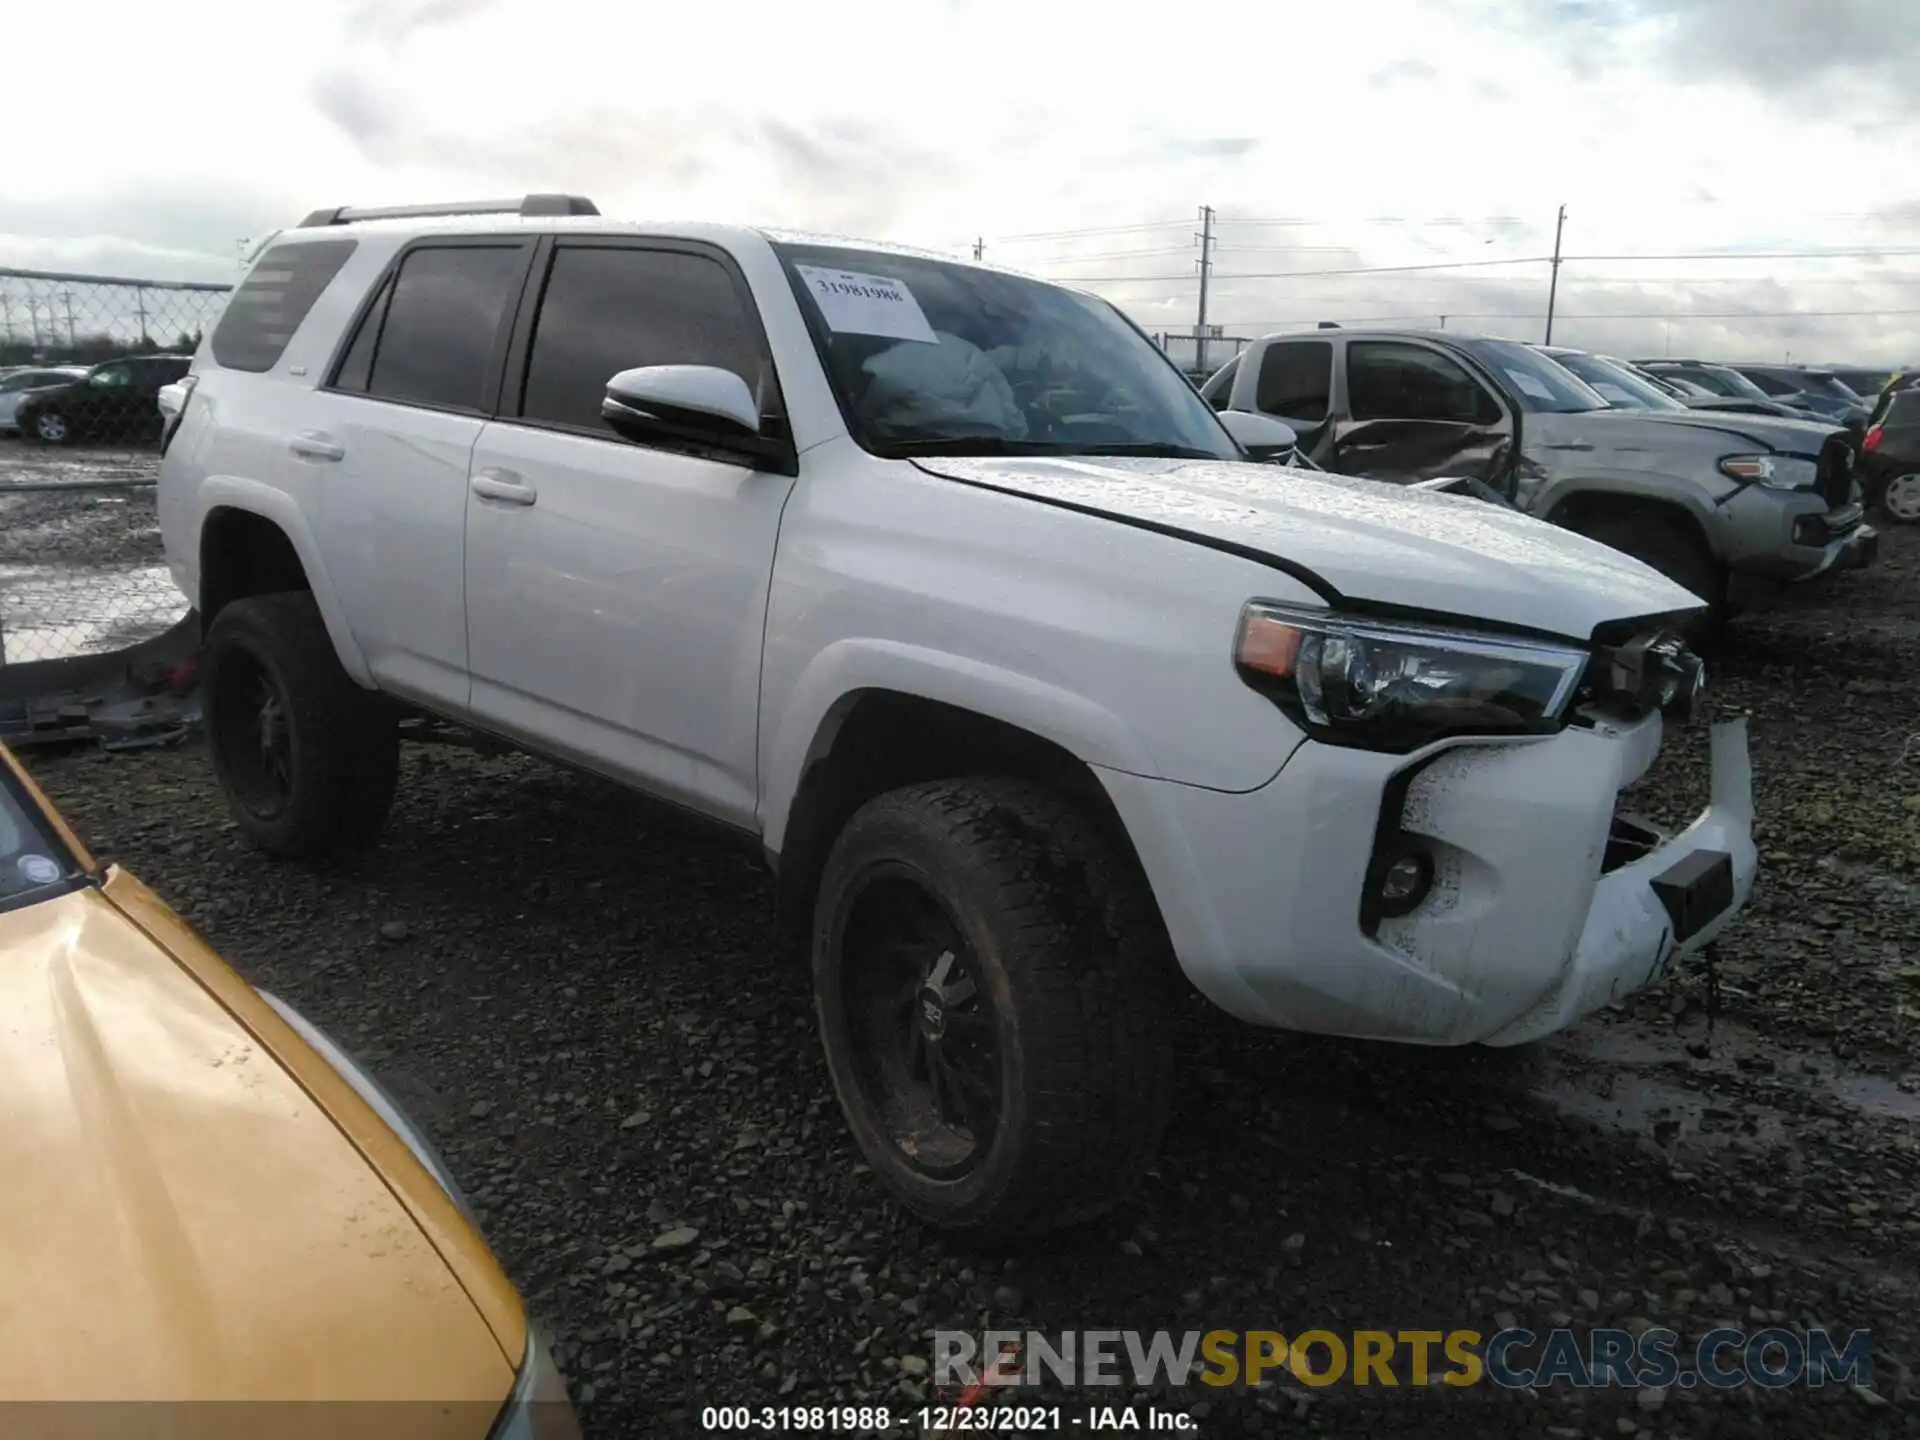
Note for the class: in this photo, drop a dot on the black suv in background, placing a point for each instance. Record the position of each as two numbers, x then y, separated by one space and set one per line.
1890 455
113 402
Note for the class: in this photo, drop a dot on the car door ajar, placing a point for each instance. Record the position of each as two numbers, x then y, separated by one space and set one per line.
617 592
1413 412
383 453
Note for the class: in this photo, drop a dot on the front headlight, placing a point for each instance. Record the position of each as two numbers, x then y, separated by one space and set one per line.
1395 687
1776 472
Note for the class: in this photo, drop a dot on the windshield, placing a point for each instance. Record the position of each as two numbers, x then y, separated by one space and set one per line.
932 357
1534 382
34 863
1616 384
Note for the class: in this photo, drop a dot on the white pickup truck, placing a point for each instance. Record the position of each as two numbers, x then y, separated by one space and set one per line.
945 590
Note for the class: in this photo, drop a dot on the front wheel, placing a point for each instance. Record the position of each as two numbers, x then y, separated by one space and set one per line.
308 760
991 983
50 427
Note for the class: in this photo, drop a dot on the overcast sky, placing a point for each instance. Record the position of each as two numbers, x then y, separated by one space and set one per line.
1384 132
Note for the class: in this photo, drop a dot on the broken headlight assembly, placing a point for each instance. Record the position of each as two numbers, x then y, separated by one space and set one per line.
1387 685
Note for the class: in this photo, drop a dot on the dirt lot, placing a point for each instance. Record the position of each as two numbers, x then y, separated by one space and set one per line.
585 1003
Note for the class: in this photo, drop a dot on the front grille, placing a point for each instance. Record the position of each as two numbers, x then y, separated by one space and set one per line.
1835 471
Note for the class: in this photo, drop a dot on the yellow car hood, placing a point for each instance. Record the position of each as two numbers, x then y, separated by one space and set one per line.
182 1219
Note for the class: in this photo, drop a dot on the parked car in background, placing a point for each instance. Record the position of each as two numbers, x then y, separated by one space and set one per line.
1724 381
1697 397
939 588
1711 503
208 1201
114 402
1890 456
15 384
1865 382
1816 390
1625 388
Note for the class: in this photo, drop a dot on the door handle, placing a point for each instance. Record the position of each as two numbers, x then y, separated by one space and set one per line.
502 485
317 445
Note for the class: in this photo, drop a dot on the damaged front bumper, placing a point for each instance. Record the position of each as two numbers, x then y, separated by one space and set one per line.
1672 898
1543 905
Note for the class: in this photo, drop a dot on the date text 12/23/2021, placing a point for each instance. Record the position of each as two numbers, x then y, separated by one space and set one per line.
942 1420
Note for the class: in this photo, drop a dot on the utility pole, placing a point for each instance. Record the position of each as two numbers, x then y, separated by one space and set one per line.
1553 284
66 299
1443 322
1206 271
140 295
979 247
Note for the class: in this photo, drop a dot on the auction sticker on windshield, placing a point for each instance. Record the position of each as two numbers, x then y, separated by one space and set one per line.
858 304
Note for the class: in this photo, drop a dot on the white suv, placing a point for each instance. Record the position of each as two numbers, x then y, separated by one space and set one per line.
945 589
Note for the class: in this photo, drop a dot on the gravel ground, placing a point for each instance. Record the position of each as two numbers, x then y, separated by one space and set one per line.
585 1002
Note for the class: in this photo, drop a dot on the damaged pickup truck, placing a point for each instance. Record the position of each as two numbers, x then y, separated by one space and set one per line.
942 589
1728 506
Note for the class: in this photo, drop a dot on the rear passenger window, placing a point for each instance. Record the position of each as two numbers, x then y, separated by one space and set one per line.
1388 381
439 329
611 308
1296 380
263 313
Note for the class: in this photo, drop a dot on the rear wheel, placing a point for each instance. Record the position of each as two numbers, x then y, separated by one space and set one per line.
991 984
1900 498
308 760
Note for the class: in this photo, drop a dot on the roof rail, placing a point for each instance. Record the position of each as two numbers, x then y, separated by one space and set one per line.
542 206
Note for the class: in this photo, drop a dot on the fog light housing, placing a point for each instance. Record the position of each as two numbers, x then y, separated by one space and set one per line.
1404 882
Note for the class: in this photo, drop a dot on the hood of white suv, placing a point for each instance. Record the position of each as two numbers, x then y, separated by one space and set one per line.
1363 540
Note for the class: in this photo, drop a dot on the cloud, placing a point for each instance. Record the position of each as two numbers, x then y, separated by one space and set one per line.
1408 69
393 22
370 114
186 230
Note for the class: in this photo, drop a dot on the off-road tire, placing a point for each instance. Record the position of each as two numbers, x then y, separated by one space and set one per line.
344 741
1076 964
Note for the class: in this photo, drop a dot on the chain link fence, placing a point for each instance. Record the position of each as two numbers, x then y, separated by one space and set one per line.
82 360
1201 355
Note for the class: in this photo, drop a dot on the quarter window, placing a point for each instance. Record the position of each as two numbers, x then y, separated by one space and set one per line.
613 308
272 301
1390 381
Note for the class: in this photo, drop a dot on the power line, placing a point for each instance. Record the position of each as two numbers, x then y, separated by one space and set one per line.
1623 315
1092 230
1308 274
1106 255
1756 255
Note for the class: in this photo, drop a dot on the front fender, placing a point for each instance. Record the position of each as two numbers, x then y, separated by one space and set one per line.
838 674
233 492
1699 498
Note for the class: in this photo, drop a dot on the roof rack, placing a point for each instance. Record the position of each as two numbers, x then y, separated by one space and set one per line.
541 206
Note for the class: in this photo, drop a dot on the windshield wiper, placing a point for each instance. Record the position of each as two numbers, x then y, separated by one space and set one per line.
1157 448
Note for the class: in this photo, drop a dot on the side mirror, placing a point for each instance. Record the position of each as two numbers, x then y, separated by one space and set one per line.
692 404
1261 436
682 396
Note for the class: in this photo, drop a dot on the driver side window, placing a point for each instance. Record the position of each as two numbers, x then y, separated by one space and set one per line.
1392 381
117 377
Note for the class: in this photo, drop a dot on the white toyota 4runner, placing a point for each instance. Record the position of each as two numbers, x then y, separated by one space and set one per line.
946 590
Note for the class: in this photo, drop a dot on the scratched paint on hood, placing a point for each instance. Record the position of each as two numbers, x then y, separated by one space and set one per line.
1418 549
